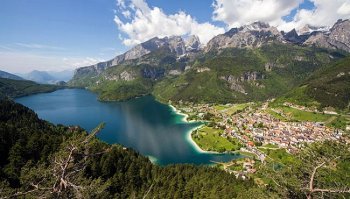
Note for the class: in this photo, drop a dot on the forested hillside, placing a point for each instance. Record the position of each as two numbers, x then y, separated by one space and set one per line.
18 88
327 87
41 159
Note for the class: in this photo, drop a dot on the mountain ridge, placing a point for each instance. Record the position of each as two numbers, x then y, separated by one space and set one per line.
253 62
4 74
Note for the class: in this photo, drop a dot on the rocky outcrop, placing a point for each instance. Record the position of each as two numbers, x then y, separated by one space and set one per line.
192 43
294 37
203 69
269 66
152 73
253 35
126 76
175 72
318 39
252 76
338 37
235 83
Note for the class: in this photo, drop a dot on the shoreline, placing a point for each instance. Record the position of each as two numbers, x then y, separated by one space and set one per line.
195 145
178 112
189 132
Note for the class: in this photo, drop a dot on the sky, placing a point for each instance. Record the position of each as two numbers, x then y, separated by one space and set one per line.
56 35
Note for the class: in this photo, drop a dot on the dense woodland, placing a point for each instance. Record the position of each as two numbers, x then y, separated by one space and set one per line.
327 87
41 159
33 151
18 88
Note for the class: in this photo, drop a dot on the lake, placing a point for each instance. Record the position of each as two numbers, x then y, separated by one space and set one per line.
144 124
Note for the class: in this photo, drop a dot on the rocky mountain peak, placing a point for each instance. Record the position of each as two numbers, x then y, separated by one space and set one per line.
308 29
338 37
192 43
252 35
256 26
175 44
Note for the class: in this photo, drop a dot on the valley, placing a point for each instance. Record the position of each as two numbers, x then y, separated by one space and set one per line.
227 105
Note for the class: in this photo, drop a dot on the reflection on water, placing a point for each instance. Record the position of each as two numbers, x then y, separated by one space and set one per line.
144 124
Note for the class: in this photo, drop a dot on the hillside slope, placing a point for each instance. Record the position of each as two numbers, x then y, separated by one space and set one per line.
7 75
237 75
18 88
32 149
327 87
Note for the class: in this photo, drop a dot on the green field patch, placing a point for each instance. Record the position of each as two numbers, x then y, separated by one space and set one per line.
272 146
236 108
278 156
210 139
300 115
276 115
221 107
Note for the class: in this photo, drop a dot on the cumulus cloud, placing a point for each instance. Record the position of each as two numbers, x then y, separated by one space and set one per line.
143 23
239 12
326 13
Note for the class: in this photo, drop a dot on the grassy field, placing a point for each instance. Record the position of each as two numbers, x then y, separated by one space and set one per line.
237 107
209 139
276 115
231 109
299 115
270 146
292 114
221 107
279 156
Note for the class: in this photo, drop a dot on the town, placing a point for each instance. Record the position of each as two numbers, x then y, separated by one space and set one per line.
258 125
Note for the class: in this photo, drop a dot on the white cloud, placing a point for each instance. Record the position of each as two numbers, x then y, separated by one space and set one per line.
126 14
146 23
81 61
239 12
326 13
121 3
23 62
38 46
344 9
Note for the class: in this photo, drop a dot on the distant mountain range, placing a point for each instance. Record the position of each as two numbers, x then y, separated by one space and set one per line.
7 75
48 77
253 62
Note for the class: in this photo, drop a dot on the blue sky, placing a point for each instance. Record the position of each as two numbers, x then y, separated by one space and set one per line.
64 34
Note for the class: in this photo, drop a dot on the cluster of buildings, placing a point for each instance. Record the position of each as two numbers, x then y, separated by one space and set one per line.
263 128
253 126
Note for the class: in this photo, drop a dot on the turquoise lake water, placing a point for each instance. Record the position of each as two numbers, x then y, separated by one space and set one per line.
149 127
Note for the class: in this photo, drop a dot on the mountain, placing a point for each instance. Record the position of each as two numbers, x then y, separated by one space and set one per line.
253 35
64 75
17 88
253 62
39 77
48 77
327 87
337 37
308 29
7 75
175 45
